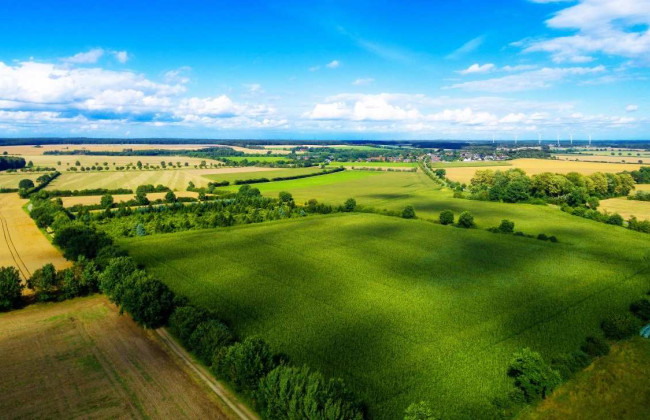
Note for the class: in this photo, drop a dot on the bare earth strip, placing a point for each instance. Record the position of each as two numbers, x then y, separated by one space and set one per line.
81 359
22 245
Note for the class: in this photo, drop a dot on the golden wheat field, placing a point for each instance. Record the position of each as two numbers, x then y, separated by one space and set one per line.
537 166
89 200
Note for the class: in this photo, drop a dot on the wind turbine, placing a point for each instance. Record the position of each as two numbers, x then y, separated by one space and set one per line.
539 139
571 139
516 138
492 138
558 140
589 140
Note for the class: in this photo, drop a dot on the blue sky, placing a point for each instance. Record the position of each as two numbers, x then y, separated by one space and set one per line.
336 69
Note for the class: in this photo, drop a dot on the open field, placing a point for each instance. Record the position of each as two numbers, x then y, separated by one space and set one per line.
176 179
376 164
627 208
471 164
11 179
407 310
31 150
68 161
614 387
258 158
90 200
22 245
253 172
81 359
606 158
536 166
312 184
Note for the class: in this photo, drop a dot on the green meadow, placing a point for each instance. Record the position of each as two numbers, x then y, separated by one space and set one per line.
376 164
406 310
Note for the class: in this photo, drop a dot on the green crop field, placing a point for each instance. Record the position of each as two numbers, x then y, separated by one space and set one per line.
266 173
407 310
377 164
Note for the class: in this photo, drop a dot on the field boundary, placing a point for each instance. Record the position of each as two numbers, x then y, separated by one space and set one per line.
238 408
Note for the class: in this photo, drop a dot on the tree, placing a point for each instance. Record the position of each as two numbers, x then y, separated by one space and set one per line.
614 219
349 205
419 411
209 337
11 288
440 173
466 220
25 184
285 197
620 326
185 319
408 212
641 309
290 393
506 226
532 375
106 201
76 240
244 364
446 217
170 197
141 198
44 283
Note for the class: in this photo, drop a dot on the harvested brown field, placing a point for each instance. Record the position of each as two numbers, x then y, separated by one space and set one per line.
81 359
627 208
63 162
90 200
22 245
176 179
11 179
537 166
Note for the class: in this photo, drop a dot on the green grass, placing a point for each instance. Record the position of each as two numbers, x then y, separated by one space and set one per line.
263 174
376 164
407 310
311 184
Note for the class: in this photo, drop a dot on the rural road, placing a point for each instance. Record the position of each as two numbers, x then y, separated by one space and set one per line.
238 409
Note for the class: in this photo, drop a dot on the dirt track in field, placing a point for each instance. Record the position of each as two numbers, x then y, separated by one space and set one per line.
81 359
22 245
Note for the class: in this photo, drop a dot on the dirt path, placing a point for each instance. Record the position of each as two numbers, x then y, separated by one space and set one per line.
240 410
22 245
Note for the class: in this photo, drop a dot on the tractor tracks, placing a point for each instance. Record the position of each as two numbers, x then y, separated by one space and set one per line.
20 264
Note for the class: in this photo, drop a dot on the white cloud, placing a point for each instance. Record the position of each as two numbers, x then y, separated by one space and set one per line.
121 56
88 57
468 47
46 92
631 108
534 79
477 68
333 64
363 81
612 27
254 88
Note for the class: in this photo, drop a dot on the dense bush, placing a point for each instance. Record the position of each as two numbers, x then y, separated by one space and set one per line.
79 240
244 364
506 226
446 217
79 280
641 309
532 375
209 337
349 205
296 393
184 321
25 184
466 220
11 288
408 212
420 411
595 347
568 364
614 219
44 283
620 326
